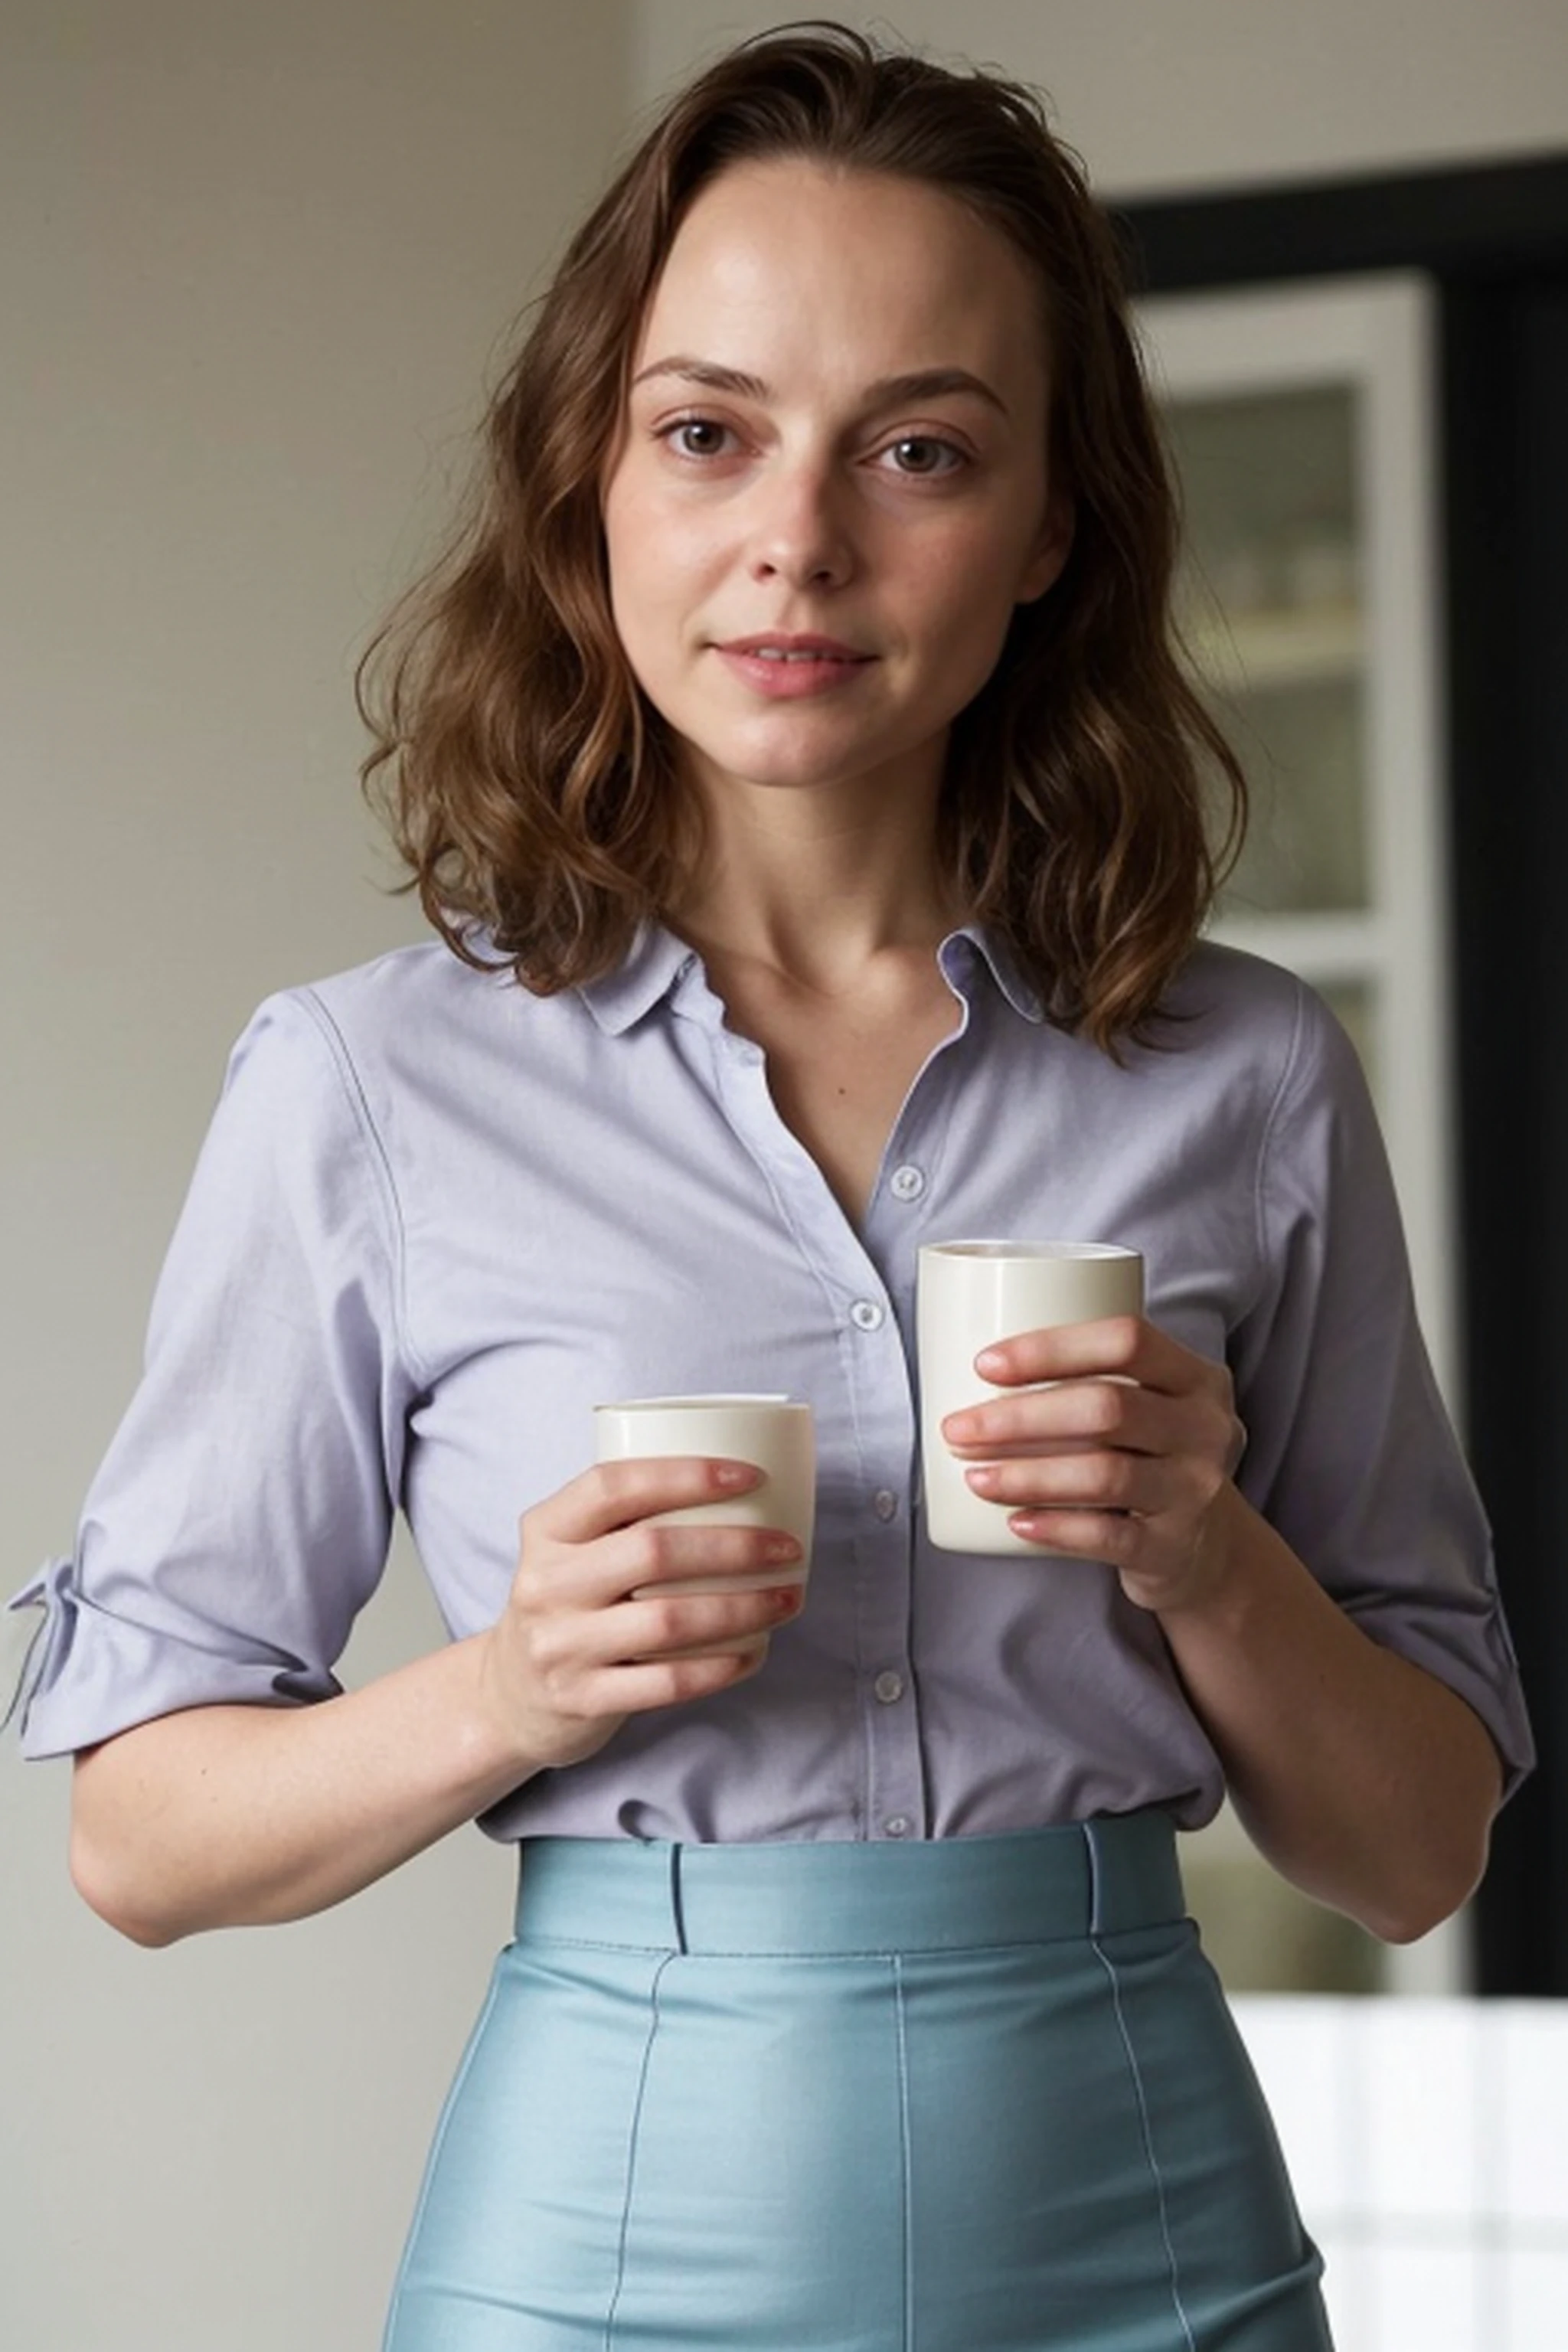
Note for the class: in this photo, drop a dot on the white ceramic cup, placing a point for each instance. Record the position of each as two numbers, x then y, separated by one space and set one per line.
772 1432
969 1295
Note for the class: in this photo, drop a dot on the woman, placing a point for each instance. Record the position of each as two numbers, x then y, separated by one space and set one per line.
793 753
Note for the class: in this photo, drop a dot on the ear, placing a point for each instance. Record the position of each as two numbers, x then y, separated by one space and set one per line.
1046 560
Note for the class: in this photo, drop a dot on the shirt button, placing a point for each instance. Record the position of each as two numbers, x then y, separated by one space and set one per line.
889 1688
896 1825
867 1315
885 1503
907 1183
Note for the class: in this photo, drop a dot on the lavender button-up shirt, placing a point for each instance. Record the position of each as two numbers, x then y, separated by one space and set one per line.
437 1219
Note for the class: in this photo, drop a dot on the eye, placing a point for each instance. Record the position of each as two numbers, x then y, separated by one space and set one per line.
696 437
923 456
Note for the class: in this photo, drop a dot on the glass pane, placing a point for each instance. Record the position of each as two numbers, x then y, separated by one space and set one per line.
1269 485
1306 844
1268 604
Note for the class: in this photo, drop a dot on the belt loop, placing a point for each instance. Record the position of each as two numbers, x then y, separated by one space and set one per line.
1096 1880
677 1901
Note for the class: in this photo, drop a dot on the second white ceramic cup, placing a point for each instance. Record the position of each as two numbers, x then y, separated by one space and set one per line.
969 1295
772 1432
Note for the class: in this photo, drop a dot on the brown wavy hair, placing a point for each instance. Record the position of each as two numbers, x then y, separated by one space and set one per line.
528 785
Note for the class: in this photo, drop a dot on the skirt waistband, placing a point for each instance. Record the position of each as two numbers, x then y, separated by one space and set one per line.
1098 1877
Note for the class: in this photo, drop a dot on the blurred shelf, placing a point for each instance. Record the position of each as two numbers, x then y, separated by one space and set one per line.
1251 652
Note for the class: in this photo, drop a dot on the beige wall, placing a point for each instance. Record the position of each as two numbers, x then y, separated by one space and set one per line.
1160 95
253 266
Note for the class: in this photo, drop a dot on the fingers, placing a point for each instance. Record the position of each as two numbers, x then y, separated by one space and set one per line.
649 1555
1087 1417
1118 1383
561 1700
1116 1451
657 1589
667 1625
596 1541
641 1688
1123 1486
1123 1346
1068 1418
613 1611
615 1493
565 1664
1144 1516
606 1662
599 1584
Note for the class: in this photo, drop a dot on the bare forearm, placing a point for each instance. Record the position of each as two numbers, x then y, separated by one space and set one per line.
1366 1781
226 1816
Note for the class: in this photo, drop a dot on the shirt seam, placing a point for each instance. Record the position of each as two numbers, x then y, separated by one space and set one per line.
1272 1121
354 1095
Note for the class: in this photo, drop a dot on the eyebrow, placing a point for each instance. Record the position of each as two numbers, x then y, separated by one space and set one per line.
892 391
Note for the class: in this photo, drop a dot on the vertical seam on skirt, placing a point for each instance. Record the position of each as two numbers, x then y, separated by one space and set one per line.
632 2135
1146 2130
906 2165
678 1898
1091 1843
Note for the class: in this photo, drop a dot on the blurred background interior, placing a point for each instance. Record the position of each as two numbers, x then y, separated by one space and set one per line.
254 268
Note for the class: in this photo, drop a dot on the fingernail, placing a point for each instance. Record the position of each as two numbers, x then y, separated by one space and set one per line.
787 1599
982 1476
990 1360
781 1548
733 1474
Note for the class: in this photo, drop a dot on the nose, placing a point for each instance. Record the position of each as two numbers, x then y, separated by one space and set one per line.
801 532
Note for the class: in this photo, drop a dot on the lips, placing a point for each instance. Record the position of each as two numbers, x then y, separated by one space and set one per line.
784 666
775 647
796 654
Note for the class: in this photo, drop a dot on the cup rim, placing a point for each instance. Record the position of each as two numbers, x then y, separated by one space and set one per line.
992 1248
719 1401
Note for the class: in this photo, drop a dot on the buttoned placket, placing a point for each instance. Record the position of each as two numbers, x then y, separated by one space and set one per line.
895 1222
869 1277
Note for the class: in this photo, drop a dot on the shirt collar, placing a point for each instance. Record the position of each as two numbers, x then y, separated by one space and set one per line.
657 962
972 943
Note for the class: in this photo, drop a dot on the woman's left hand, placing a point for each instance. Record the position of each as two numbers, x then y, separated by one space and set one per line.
1367 1782
1126 1458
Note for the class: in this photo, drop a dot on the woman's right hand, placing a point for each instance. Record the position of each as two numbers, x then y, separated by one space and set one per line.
597 1627
222 1815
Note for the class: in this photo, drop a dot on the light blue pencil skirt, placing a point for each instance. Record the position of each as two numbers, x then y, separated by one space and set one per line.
980 2094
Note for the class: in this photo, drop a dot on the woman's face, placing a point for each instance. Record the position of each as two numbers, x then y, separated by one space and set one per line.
831 488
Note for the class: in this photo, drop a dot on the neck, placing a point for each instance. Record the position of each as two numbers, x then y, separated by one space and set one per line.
818 893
